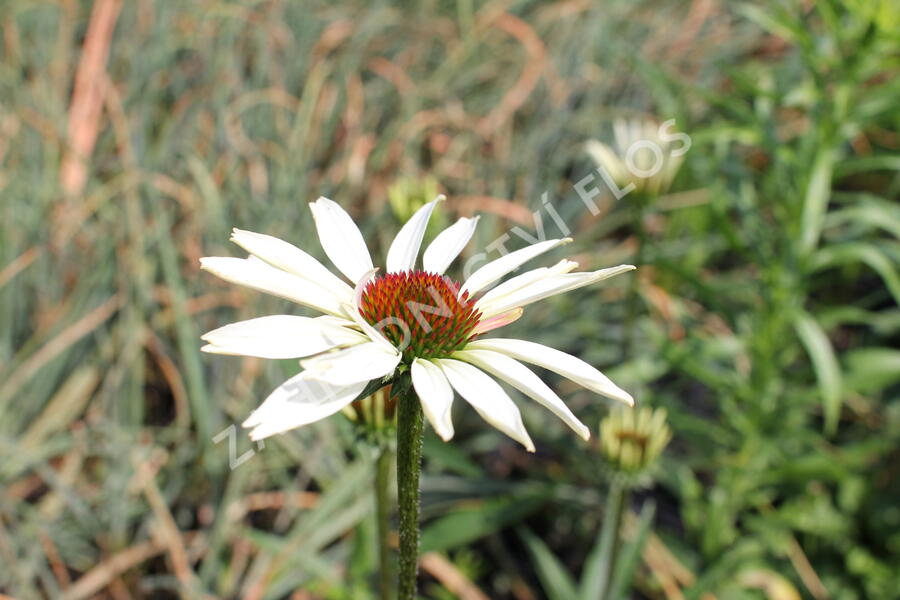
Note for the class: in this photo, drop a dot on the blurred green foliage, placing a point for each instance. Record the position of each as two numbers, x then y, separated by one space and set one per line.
766 315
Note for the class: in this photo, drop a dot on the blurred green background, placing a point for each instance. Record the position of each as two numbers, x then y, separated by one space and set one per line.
764 315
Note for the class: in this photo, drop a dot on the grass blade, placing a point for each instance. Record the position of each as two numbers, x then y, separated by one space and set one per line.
825 364
557 583
627 565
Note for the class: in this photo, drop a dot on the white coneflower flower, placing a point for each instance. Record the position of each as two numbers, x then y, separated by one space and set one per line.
407 318
644 154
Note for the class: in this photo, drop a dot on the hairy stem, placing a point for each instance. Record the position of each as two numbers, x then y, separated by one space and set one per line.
409 455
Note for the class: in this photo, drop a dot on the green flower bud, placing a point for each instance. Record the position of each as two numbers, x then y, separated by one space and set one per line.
632 439
375 416
407 195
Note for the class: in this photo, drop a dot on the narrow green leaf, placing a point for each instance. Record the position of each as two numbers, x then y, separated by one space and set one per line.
599 562
475 522
556 581
825 364
815 201
203 412
776 22
863 164
874 214
868 254
450 457
629 557
871 369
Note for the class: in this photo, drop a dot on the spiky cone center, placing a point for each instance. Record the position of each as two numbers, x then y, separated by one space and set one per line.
421 313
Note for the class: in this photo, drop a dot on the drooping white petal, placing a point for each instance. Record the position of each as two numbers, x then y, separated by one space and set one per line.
527 278
280 336
448 244
498 321
299 401
523 379
292 259
496 269
363 362
566 365
487 398
258 275
435 394
341 239
405 248
544 288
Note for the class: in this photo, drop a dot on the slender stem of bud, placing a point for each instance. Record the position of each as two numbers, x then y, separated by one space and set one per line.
609 542
409 455
638 212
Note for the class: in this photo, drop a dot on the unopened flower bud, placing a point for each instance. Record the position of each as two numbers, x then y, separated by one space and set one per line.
407 195
375 416
632 439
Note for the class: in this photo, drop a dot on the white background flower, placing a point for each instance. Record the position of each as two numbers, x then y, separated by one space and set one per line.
645 156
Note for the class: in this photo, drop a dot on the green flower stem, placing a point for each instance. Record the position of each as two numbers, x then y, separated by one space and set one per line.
409 456
383 511
610 538
638 208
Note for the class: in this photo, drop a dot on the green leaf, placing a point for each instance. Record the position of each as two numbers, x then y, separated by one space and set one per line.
203 412
629 556
372 387
598 566
476 521
777 22
449 457
869 254
872 212
556 581
872 369
825 364
815 202
864 164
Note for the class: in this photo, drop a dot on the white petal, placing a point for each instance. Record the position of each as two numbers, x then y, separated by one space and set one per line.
566 365
405 248
448 244
498 321
280 336
544 288
487 397
299 401
525 279
496 269
341 239
435 394
523 379
373 333
292 259
607 158
364 362
254 273
338 321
